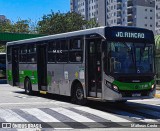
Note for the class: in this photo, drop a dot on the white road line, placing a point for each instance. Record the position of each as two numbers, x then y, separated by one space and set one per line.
75 116
10 116
27 103
40 115
104 115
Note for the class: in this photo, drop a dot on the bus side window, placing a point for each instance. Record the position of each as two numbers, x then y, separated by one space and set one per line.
76 50
62 52
9 54
23 53
52 52
31 56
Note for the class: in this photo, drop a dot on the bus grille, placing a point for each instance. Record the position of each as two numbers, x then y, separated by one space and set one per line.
130 79
130 93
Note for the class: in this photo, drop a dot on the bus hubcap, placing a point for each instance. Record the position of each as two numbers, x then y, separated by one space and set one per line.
79 94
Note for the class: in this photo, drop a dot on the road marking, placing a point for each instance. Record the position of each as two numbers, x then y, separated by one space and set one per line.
102 114
40 115
28 103
10 116
75 116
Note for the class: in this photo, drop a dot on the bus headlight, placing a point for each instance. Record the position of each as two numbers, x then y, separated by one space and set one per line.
152 87
111 86
115 87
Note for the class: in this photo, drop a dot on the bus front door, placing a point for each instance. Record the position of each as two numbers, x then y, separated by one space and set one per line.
15 66
42 67
94 68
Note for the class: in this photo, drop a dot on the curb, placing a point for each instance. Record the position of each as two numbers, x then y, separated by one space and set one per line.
157 95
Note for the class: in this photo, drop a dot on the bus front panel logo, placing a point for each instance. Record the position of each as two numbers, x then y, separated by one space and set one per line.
130 35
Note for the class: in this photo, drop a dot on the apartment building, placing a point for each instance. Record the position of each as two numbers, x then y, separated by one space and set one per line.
139 13
157 17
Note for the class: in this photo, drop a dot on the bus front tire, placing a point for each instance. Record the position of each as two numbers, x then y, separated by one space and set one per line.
28 86
78 95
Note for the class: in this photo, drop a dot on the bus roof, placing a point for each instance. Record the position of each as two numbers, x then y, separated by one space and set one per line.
98 30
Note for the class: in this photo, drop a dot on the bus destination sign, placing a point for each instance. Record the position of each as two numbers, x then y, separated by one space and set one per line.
130 35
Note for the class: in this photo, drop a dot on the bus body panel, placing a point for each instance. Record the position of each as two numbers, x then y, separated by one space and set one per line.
30 71
61 77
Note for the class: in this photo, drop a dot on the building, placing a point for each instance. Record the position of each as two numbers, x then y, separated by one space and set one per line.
87 8
157 8
139 13
3 18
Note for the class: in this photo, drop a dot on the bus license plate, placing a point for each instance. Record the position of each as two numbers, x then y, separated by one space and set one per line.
136 94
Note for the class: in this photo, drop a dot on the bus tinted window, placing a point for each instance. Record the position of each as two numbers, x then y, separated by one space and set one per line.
51 54
58 51
9 54
31 49
76 52
23 53
31 56
62 52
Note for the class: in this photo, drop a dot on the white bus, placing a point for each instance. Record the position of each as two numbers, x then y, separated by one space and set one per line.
104 63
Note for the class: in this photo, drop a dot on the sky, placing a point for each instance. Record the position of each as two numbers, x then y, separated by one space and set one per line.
31 9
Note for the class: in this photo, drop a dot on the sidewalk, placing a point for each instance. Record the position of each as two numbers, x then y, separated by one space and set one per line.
157 95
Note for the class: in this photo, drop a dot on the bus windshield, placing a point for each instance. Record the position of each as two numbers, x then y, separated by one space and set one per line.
128 57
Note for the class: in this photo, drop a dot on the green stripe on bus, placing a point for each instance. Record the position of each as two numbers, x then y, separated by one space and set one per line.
9 75
134 86
30 73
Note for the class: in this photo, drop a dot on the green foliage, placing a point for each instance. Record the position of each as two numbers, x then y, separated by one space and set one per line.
92 23
52 23
55 23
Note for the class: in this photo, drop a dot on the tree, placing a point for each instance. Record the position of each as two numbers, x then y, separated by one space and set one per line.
21 26
92 23
5 26
55 23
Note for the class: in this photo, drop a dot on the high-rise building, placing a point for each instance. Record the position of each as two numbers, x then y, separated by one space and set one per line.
139 13
157 8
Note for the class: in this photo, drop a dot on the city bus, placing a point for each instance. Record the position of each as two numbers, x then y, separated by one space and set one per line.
104 63
3 79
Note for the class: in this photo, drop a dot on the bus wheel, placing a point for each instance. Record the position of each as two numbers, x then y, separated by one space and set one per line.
28 86
79 95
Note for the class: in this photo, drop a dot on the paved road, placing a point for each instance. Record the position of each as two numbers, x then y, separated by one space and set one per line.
58 112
